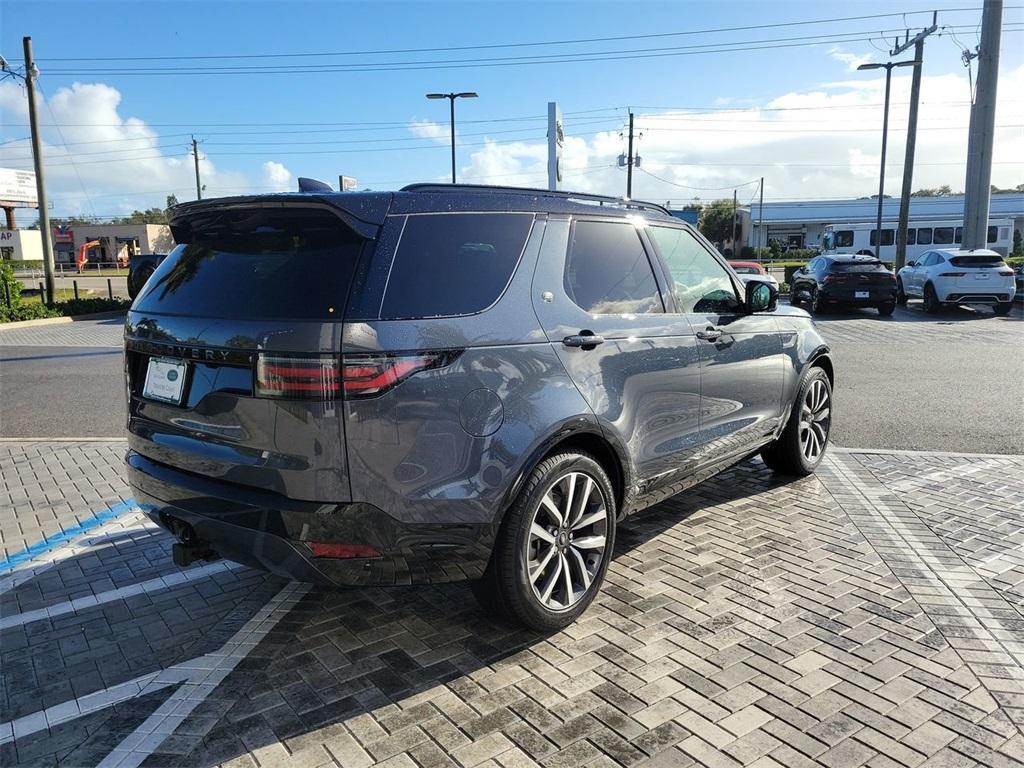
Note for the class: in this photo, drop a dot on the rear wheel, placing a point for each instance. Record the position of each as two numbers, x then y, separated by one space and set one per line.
553 547
1003 307
901 295
817 304
932 305
886 309
801 446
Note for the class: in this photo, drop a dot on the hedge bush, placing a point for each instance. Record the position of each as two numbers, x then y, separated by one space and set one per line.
21 310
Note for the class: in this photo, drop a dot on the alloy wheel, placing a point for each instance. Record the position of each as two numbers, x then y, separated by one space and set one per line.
567 541
815 420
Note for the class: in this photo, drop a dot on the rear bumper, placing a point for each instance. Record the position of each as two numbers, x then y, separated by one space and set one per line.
961 296
269 531
875 295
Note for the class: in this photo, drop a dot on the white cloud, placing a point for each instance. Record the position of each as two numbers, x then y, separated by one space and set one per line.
428 129
823 142
851 60
119 163
276 178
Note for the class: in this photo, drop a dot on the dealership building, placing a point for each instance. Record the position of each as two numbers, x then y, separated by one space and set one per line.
801 223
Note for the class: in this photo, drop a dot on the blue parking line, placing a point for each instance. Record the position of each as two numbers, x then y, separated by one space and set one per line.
51 542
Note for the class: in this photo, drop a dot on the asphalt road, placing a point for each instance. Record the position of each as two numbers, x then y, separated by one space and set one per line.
61 392
913 381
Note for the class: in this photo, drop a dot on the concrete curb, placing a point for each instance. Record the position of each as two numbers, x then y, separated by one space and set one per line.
62 320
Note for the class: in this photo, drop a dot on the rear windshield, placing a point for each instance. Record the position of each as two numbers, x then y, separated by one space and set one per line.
977 261
244 264
453 263
858 266
746 270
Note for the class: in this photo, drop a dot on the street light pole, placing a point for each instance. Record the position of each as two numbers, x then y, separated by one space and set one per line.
31 73
888 66
451 98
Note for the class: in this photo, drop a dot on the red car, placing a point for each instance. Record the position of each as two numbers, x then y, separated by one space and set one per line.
747 268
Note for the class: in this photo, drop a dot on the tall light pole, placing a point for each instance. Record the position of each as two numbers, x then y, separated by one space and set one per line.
888 67
451 98
31 73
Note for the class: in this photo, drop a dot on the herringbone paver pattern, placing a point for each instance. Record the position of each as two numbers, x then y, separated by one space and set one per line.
866 616
83 333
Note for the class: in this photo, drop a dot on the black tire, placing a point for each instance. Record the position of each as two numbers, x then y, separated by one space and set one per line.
885 310
932 305
506 587
1003 307
787 455
901 295
818 306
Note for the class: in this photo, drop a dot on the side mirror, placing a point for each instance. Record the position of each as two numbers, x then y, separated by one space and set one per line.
911 263
760 296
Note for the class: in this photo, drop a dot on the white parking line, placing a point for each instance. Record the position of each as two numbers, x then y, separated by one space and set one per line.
91 601
209 671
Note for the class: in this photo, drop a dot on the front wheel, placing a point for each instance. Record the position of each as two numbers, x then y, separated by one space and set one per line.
553 547
801 446
1003 307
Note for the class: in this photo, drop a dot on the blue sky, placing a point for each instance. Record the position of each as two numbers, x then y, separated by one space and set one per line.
168 107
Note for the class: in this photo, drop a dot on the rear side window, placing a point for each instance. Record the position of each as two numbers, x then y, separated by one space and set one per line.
246 264
453 263
607 271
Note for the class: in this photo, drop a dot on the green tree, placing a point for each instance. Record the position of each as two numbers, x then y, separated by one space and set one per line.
172 200
1018 244
942 191
716 221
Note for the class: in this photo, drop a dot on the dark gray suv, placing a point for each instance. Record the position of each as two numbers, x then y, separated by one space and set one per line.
451 382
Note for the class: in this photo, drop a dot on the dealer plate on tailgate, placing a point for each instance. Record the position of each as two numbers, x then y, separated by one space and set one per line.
165 380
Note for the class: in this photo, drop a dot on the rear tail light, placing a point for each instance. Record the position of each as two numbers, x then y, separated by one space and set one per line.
835 278
329 377
952 274
1006 272
298 378
341 551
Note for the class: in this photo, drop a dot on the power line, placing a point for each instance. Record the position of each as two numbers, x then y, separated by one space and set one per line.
740 46
493 46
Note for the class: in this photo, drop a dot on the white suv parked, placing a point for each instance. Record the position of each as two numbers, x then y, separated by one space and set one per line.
954 276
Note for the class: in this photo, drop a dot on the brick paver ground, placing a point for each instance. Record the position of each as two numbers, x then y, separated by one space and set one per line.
869 615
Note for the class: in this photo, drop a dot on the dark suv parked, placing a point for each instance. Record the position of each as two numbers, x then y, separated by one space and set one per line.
451 382
845 279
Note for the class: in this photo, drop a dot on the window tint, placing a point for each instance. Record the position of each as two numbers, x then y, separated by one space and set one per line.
943 235
607 271
911 237
992 235
453 263
859 266
977 261
924 236
958 235
888 236
844 238
290 264
700 283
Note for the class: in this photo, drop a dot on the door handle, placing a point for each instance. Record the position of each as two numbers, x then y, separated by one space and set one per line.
584 340
709 334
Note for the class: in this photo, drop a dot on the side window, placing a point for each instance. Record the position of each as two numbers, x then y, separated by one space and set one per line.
888 236
992 235
924 236
958 236
844 238
943 235
607 271
700 283
911 237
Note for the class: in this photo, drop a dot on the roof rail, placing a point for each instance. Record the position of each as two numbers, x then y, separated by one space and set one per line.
602 199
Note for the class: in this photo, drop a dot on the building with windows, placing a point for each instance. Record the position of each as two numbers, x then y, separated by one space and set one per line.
802 223
113 243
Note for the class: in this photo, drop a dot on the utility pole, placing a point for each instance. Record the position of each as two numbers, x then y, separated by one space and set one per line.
908 159
760 218
195 156
732 245
629 161
978 191
31 73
